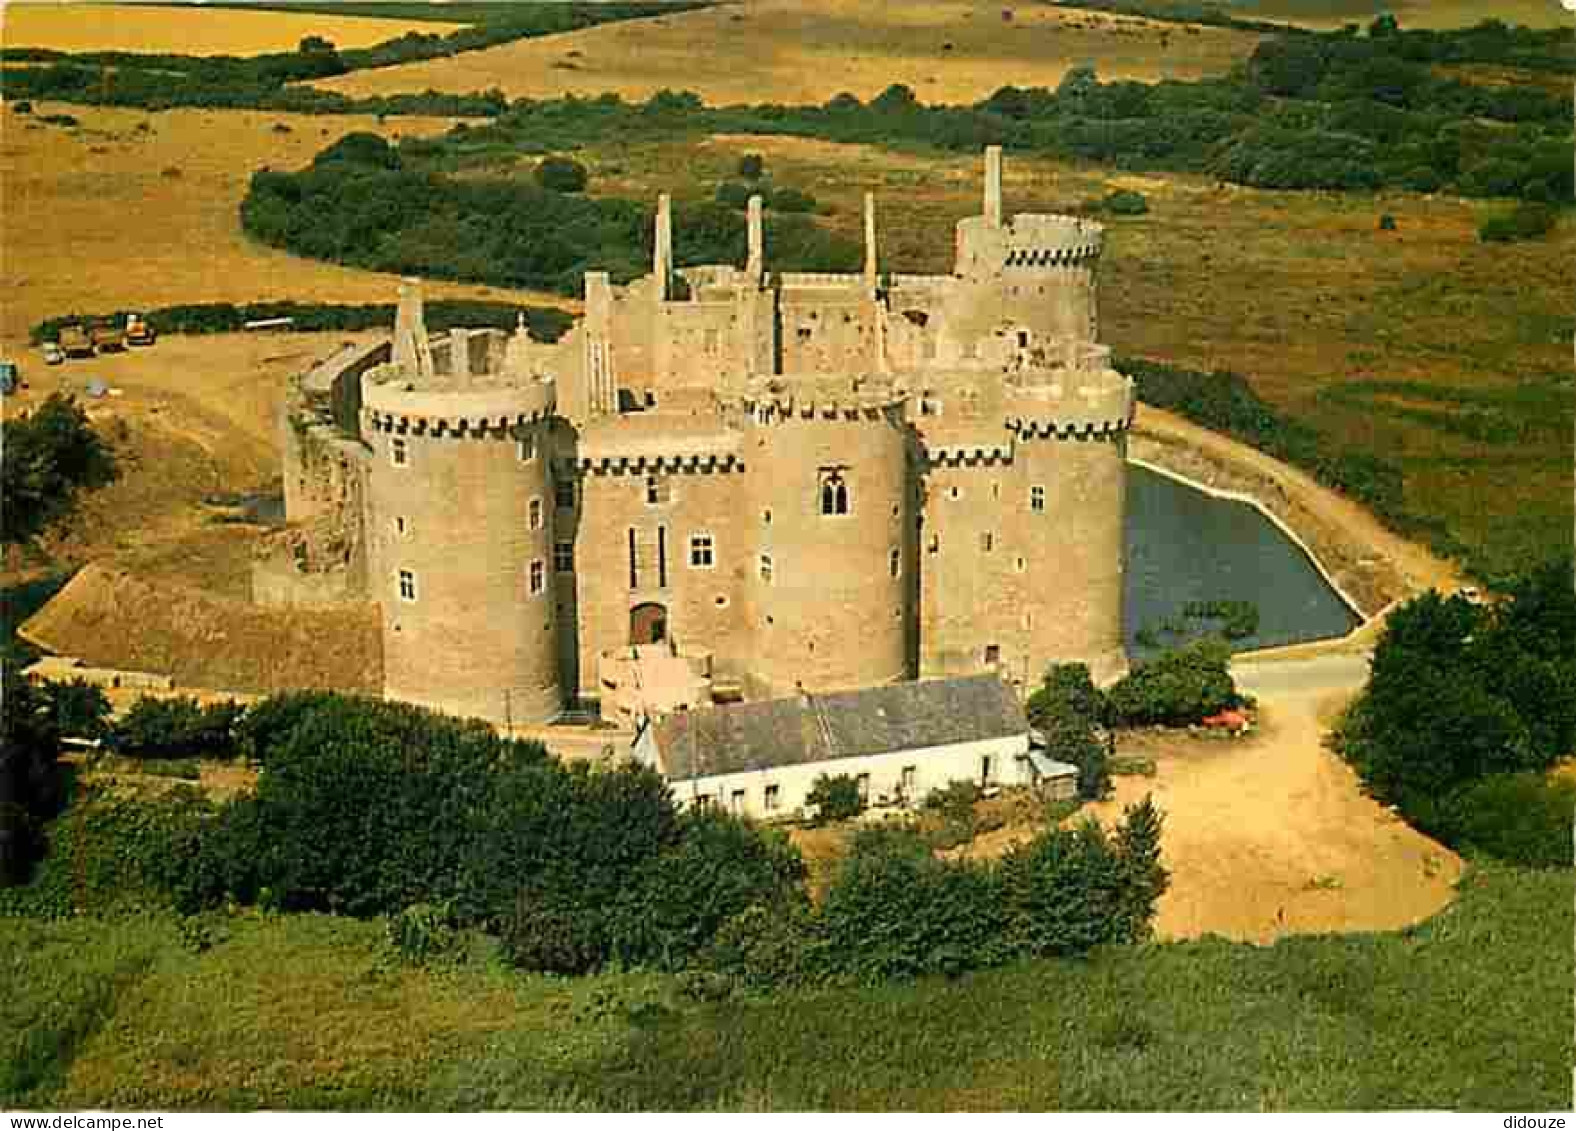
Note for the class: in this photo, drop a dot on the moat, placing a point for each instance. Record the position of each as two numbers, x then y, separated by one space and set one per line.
1184 545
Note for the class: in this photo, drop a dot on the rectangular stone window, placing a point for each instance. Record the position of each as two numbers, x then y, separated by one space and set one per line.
563 557
736 801
833 491
526 449
399 451
538 577
634 561
992 654
1037 499
407 585
895 562
662 557
766 568
656 491
534 514
909 784
987 542
772 798
703 551
863 782
985 770
401 526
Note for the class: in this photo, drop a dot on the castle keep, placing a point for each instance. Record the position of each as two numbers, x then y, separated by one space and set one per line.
776 480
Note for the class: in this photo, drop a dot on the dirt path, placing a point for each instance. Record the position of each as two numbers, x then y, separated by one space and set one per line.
1375 565
1272 835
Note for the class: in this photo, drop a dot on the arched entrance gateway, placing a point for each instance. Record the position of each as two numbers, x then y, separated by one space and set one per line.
648 624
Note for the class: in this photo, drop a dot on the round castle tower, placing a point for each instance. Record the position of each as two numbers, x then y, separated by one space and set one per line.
830 587
460 527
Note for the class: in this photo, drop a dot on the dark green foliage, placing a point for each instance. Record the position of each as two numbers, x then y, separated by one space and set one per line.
31 783
280 81
954 801
1177 688
51 456
1069 712
1526 221
790 200
1067 687
80 709
161 728
1125 202
752 166
734 195
1465 706
1523 819
894 910
22 107
561 174
1239 619
359 151
834 798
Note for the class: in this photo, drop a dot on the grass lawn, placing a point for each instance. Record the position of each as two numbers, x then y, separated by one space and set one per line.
1471 1010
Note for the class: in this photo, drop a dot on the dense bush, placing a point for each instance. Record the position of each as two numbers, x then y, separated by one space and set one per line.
734 195
561 174
161 728
752 166
790 200
894 910
1465 707
1523 818
79 709
834 798
51 456
545 323
31 785
1070 712
1124 202
1176 688
1527 221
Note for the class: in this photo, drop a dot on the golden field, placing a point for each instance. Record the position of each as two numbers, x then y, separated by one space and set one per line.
111 215
190 31
1410 13
808 50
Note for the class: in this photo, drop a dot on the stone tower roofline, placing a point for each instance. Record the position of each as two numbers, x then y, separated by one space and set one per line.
391 401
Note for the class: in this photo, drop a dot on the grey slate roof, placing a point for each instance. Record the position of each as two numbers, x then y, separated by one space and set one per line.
844 724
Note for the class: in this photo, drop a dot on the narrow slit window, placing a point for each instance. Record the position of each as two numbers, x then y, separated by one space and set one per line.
634 561
1037 499
662 557
399 451
534 514
537 577
407 585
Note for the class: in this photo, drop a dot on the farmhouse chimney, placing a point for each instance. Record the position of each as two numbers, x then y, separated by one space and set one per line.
663 267
993 185
870 240
756 266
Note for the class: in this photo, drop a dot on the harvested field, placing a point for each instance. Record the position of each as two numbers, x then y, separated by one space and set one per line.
135 210
109 618
191 30
809 50
1410 13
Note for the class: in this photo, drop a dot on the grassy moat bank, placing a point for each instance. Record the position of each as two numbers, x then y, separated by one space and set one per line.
1471 1010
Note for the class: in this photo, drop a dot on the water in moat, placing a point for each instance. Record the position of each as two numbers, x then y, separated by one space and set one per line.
1184 545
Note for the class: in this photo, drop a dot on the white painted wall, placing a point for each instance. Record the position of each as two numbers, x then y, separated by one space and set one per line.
933 767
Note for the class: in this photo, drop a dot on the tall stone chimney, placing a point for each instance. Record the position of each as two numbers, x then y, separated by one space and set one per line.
410 349
756 266
870 240
993 185
662 268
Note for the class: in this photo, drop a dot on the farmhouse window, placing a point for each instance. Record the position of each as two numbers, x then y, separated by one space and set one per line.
538 577
985 770
909 781
563 557
1037 499
772 798
736 801
703 551
407 585
534 513
399 451
834 493
863 782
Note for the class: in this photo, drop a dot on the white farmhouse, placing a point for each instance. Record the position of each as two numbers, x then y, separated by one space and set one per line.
899 742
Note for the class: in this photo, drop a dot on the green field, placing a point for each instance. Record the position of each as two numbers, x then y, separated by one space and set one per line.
1469 1011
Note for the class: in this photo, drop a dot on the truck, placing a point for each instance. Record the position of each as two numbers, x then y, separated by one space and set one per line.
107 338
139 331
74 341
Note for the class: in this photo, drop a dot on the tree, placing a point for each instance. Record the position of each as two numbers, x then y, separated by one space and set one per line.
561 174
1176 688
31 789
51 456
835 798
79 709
752 166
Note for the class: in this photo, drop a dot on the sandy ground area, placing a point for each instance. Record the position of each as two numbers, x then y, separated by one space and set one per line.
1271 835
809 50
191 30
112 215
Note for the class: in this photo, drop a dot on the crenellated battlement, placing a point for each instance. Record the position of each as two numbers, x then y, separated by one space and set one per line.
392 402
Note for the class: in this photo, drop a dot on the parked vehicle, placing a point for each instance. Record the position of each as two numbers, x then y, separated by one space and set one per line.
74 341
10 377
53 354
139 331
107 338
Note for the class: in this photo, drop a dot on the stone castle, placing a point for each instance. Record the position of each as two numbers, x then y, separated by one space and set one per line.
784 480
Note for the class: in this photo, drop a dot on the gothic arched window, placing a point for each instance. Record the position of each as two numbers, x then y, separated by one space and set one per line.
834 493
